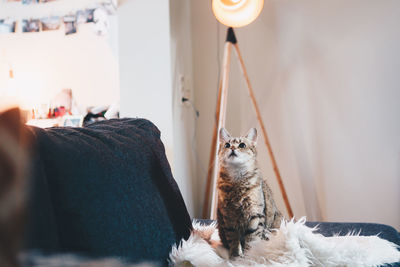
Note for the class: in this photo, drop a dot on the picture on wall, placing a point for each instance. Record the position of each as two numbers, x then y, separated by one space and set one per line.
7 25
70 24
84 16
29 2
51 23
90 15
32 25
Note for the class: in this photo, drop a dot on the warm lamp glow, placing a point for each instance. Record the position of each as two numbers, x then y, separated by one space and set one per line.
237 13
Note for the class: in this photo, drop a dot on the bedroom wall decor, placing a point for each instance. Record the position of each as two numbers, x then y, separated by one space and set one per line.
43 15
7 25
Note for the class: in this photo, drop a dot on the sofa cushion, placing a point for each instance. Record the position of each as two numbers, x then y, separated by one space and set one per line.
112 190
364 229
41 228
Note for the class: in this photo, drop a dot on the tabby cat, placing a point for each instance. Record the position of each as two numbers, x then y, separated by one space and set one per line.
246 208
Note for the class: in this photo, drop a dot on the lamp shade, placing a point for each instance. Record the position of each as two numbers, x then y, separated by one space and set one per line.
237 13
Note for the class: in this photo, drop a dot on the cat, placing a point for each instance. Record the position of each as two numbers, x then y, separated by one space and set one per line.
246 208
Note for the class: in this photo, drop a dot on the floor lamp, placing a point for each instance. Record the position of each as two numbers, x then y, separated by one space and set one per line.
234 13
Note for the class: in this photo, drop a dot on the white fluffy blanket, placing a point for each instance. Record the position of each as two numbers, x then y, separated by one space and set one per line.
293 244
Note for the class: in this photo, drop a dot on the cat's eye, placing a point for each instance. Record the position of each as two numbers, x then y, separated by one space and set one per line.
227 145
242 145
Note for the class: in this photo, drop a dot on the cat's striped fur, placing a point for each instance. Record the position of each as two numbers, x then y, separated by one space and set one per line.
246 208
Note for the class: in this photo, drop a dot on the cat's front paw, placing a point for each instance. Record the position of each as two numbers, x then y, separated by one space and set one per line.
236 251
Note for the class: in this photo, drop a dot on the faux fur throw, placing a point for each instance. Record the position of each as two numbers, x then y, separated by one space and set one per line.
293 244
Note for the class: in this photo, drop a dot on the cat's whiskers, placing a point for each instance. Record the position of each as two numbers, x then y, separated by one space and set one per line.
246 209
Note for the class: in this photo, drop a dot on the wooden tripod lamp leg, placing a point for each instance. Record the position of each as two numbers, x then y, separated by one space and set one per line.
264 131
220 115
213 151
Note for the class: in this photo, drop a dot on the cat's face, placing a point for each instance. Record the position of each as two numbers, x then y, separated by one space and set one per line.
237 150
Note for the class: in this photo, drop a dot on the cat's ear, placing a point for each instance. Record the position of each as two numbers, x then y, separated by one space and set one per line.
224 136
252 135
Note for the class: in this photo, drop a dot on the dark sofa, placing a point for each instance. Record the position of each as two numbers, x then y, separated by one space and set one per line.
107 190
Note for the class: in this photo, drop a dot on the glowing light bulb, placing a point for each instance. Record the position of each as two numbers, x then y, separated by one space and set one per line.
237 13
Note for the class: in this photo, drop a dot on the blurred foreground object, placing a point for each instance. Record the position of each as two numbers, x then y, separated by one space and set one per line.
14 143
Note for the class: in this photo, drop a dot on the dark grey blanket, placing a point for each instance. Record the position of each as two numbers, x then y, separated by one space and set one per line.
105 190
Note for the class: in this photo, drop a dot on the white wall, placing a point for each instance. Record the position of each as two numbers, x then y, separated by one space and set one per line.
155 51
184 116
326 80
44 63
145 64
